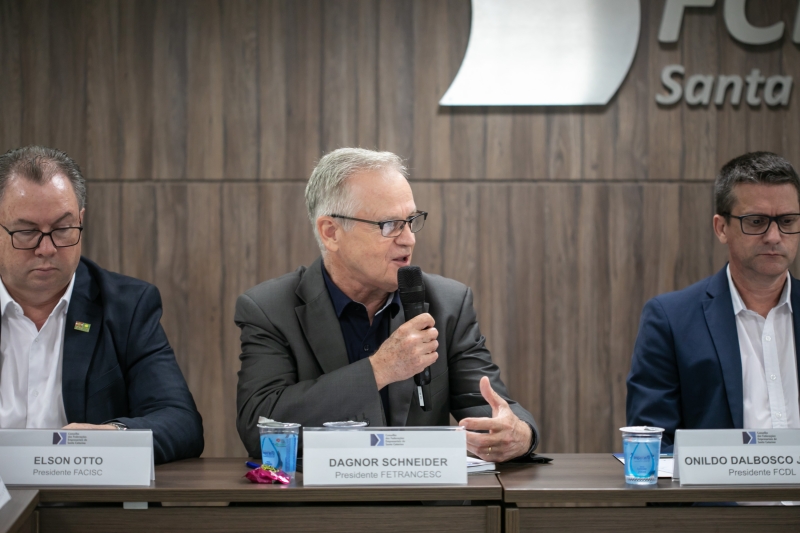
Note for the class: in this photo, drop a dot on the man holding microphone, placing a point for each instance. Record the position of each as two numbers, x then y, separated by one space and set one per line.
330 342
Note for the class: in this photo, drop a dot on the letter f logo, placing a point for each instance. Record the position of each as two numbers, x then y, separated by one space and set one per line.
546 52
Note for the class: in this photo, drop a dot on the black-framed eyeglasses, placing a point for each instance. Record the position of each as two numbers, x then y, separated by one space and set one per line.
788 223
30 239
393 228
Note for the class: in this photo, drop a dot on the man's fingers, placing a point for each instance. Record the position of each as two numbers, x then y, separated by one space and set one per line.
494 454
483 440
492 398
481 424
429 335
420 322
83 426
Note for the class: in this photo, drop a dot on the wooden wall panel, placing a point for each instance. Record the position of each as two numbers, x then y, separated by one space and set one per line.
239 245
198 122
239 84
205 137
10 64
170 78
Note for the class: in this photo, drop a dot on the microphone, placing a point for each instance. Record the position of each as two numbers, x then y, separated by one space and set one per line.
412 296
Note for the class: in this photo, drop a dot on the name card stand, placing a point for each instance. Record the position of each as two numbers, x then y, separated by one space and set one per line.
737 457
92 457
5 497
385 456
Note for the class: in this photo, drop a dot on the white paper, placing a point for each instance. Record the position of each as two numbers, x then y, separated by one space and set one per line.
475 465
5 497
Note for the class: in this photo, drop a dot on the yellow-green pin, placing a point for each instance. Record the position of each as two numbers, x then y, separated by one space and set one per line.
82 326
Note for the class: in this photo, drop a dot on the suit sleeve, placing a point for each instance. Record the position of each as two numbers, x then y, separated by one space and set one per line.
653 383
158 397
469 360
270 384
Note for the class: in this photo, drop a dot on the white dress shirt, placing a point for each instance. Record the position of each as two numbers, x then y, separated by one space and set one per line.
769 363
30 365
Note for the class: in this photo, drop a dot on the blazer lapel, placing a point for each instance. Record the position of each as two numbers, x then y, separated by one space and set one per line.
79 345
722 325
400 392
319 322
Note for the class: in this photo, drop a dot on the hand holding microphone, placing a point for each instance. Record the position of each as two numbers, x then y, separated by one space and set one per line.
407 352
411 349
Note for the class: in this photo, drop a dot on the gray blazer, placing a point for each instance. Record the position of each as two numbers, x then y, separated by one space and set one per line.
295 366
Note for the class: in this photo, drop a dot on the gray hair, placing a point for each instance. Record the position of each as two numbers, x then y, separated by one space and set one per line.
754 167
326 192
40 164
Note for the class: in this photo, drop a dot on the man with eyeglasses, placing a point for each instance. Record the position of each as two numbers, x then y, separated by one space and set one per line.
80 347
329 342
723 352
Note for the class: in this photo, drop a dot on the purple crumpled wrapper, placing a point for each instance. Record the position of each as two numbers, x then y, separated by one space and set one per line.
268 474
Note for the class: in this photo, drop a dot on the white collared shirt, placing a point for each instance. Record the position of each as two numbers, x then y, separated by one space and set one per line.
30 365
769 363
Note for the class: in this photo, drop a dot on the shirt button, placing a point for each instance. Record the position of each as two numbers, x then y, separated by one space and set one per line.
366 347
773 377
778 415
767 338
35 393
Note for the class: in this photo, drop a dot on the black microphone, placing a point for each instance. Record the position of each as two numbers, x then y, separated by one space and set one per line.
412 296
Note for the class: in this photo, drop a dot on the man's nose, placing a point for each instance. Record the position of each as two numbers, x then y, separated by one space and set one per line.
46 246
773 233
406 238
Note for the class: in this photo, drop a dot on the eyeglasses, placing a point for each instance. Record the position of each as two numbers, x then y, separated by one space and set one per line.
393 228
759 224
30 239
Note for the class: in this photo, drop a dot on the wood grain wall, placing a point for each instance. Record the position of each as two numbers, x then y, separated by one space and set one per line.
197 123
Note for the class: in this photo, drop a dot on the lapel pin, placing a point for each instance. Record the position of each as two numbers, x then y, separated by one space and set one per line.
82 326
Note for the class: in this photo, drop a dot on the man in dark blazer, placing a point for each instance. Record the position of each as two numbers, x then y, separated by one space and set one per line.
330 342
722 353
81 347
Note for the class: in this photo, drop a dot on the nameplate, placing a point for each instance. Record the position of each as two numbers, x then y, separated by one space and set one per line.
737 456
5 497
61 457
385 456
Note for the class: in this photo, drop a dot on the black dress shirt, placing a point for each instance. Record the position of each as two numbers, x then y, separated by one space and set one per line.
361 338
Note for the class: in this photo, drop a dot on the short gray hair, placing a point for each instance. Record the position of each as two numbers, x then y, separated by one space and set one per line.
40 164
326 192
754 167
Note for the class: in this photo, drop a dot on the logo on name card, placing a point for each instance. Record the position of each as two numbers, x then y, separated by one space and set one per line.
749 437
377 439
64 438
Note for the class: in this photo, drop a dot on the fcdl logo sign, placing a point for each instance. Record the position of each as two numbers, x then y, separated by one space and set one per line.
578 52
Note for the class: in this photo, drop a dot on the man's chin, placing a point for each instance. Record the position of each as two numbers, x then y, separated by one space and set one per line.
771 265
47 280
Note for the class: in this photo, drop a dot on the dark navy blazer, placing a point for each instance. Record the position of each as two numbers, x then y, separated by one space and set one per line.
687 368
123 368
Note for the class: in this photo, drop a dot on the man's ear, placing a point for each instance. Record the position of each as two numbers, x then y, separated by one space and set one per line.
328 231
721 228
